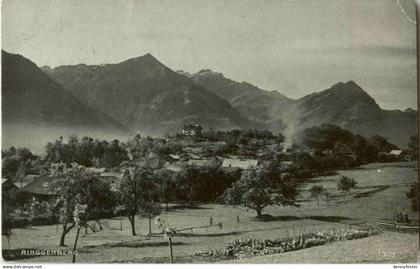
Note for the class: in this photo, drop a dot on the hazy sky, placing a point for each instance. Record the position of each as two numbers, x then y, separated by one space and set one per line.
295 47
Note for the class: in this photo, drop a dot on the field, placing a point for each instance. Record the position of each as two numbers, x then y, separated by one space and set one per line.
380 195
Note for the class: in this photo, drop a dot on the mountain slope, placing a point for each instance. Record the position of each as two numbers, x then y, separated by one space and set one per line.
343 104
254 103
349 106
147 96
31 99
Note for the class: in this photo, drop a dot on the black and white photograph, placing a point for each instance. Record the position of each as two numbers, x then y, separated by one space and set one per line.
209 132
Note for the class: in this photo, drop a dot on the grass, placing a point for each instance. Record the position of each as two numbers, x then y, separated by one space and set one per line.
370 202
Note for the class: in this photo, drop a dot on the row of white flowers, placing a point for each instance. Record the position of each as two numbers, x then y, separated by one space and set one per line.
241 248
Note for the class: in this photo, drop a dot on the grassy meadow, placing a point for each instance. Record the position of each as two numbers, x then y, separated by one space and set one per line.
380 194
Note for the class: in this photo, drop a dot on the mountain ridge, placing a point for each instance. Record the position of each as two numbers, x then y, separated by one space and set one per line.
240 104
344 103
31 98
147 96
254 103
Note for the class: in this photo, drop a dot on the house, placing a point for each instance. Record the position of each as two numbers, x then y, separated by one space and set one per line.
173 157
192 156
41 188
154 161
286 163
239 163
196 150
175 167
199 163
396 152
192 130
141 162
401 154
111 175
25 180
94 170
114 179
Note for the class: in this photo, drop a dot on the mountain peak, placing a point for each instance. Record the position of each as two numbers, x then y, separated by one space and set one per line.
348 85
205 71
147 59
410 110
353 85
182 72
209 72
148 55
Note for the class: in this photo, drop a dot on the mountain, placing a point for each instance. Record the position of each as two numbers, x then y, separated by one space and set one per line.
146 96
254 103
343 104
349 106
35 107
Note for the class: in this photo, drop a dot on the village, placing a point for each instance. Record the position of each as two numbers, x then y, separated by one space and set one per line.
190 170
194 152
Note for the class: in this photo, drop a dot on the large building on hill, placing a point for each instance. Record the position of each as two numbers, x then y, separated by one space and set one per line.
192 130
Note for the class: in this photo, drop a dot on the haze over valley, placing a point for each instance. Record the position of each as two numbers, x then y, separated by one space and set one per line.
142 95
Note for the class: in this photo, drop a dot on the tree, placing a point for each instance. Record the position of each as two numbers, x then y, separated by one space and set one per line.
261 187
86 152
188 181
16 162
113 155
80 217
317 191
10 166
413 145
412 194
166 180
6 217
149 210
134 189
75 187
345 184
381 144
67 187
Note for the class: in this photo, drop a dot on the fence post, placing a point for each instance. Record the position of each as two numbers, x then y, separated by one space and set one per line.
170 249
211 220
8 239
237 218
121 225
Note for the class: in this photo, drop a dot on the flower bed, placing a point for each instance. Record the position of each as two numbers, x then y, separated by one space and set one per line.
254 247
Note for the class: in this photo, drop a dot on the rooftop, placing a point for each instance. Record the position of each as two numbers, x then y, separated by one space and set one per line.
238 163
42 186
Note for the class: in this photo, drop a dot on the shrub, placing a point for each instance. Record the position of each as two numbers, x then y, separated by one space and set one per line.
346 183
44 219
251 247
19 222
